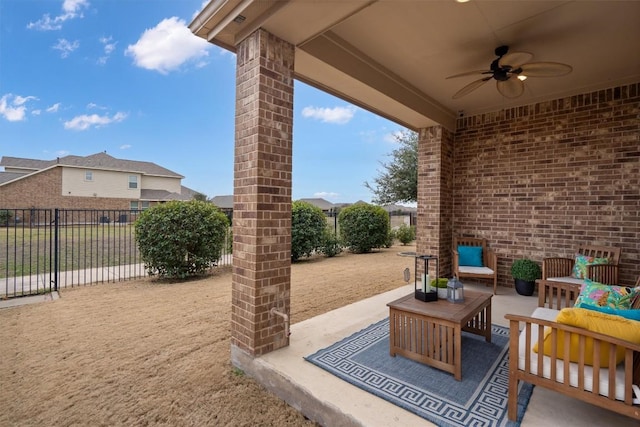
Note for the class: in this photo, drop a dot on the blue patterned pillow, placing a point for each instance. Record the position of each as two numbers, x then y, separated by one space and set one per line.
470 256
631 314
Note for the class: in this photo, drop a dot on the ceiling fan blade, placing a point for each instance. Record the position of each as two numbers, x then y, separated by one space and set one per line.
470 73
471 87
511 88
515 59
545 69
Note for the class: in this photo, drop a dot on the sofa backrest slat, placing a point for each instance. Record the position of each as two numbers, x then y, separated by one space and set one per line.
600 252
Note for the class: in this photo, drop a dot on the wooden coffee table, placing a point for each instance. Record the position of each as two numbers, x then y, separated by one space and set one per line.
431 332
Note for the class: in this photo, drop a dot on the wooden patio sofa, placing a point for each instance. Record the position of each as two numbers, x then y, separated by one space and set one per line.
560 268
612 389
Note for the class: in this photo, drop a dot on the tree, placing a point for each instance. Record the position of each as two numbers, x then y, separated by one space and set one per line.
398 182
199 196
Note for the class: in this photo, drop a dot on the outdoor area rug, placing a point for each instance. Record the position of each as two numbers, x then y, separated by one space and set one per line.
480 399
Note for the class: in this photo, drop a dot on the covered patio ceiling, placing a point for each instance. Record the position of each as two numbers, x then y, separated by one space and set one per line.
393 57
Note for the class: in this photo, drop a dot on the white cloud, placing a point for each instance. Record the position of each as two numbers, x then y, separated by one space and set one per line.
54 108
109 47
86 121
393 137
326 195
93 105
36 112
167 46
13 108
125 146
66 47
338 115
71 9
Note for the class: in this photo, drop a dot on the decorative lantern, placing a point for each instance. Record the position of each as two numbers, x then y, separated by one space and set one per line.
427 293
455 290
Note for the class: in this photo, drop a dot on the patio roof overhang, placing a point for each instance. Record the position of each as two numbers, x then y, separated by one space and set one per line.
392 58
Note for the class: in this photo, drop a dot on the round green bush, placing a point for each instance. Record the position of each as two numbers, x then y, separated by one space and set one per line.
308 223
363 227
526 269
180 239
406 234
330 244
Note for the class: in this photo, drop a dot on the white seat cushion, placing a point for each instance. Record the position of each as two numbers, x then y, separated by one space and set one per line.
475 270
567 279
550 314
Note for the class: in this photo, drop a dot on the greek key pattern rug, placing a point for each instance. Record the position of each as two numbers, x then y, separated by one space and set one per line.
480 399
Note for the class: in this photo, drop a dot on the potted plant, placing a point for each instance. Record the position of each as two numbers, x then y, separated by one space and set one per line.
441 285
525 272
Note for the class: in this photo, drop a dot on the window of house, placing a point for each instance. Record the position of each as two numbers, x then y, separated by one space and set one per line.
88 176
145 205
133 205
133 181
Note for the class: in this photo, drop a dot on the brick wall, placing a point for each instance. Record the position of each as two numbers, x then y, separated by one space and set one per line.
44 191
539 179
261 277
435 192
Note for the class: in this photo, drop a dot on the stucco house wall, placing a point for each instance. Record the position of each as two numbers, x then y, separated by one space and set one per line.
537 180
161 183
103 184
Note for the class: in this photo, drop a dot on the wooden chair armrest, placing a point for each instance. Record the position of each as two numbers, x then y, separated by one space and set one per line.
557 295
603 273
557 267
454 260
492 260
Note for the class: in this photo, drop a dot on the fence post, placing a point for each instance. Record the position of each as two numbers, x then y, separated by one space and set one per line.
56 261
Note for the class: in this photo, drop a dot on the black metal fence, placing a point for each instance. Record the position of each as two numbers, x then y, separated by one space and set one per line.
43 250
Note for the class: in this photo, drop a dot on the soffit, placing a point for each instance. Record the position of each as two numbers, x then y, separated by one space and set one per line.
392 57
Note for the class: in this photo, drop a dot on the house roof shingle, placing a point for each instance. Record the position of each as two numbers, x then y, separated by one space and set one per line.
223 202
10 176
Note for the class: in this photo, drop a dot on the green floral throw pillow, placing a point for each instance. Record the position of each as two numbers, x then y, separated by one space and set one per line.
581 263
597 294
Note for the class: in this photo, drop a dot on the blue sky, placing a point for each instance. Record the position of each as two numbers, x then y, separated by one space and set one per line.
128 77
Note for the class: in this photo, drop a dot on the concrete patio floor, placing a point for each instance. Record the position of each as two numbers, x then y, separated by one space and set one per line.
333 402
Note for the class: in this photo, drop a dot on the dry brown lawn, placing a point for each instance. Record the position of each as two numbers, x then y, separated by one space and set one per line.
148 353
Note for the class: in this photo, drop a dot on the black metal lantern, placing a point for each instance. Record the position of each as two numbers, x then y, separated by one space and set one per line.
425 292
455 290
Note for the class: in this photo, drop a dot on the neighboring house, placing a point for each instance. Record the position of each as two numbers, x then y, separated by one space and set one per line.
98 181
326 206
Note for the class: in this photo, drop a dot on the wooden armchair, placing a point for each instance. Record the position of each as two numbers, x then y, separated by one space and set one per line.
489 268
559 268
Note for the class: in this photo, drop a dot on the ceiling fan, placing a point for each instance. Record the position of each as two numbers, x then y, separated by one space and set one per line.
510 70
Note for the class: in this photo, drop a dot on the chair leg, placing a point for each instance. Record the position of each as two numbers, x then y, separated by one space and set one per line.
495 285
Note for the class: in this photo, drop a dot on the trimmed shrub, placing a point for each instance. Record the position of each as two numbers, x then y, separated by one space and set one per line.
391 238
307 229
5 216
330 244
181 239
406 234
363 227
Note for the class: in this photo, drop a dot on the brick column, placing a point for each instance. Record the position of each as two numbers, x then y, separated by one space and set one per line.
435 195
262 193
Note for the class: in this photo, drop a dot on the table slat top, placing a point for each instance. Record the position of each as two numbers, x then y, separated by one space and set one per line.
442 309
